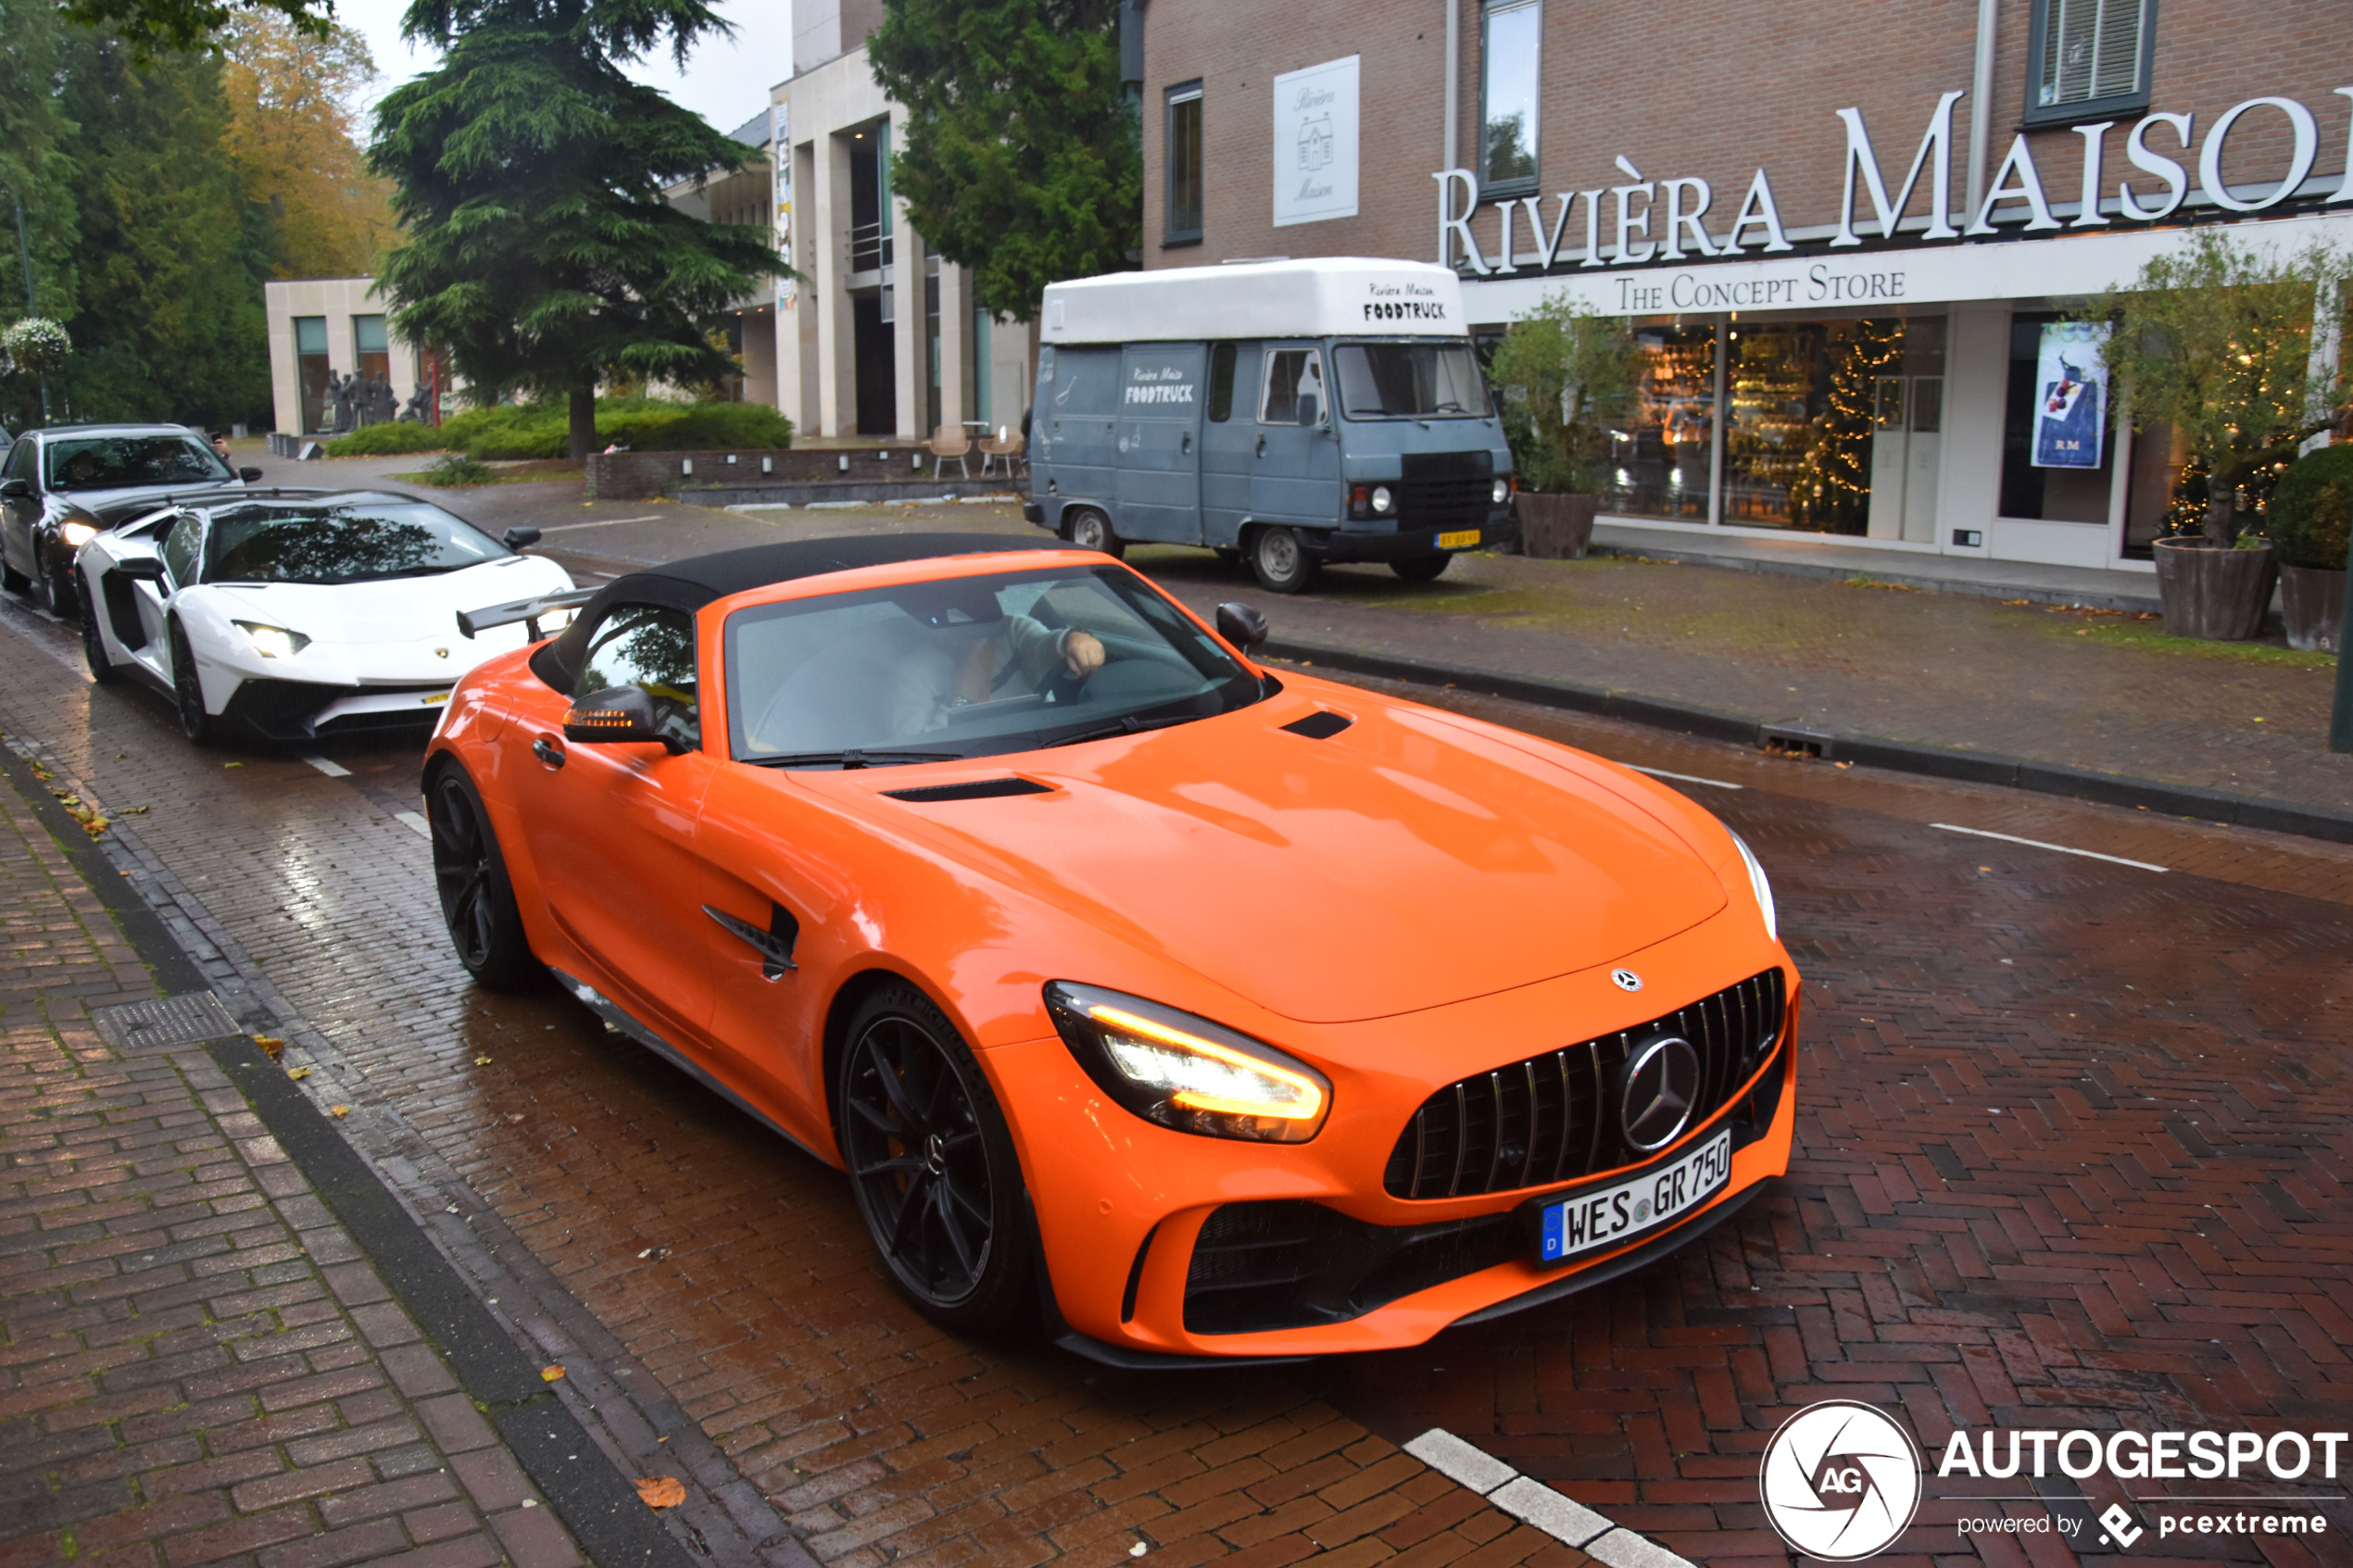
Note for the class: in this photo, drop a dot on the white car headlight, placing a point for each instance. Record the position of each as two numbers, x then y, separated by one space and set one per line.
1762 885
1186 1073
272 642
77 534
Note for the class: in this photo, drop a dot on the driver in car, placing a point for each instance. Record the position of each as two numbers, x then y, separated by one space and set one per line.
972 657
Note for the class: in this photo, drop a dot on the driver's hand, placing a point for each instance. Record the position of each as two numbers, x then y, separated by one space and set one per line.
1082 654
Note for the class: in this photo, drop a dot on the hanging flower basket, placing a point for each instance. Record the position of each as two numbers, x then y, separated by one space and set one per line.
36 344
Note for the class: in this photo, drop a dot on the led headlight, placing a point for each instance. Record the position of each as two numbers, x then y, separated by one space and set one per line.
1382 499
1762 886
77 534
1186 1073
1503 491
272 642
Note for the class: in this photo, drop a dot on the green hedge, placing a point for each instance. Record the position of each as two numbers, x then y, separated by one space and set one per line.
385 441
642 424
2312 510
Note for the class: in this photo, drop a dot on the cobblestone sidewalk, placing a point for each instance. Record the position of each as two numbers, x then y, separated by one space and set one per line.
196 1363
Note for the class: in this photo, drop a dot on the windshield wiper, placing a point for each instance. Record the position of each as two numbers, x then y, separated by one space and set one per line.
1130 725
854 757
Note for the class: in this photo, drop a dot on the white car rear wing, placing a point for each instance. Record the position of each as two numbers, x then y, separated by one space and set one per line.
528 611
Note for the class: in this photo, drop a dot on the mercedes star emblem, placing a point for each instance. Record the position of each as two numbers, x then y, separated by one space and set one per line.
1627 979
1662 1083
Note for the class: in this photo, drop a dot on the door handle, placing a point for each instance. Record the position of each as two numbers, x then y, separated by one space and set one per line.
1262 446
1187 445
547 751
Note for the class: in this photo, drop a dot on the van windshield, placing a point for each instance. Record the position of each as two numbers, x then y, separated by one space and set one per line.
1410 380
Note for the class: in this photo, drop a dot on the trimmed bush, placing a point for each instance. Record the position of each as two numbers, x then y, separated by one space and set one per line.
642 424
2311 511
457 469
385 441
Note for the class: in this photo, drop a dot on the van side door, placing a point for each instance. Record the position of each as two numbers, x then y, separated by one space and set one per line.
1079 419
1297 476
1229 443
1159 486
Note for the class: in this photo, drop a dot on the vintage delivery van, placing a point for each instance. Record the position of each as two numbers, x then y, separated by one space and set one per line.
1287 413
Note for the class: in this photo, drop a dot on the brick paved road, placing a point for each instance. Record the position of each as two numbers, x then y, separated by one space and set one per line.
2001 1207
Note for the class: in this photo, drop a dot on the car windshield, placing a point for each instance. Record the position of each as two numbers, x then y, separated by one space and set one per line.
1401 381
969 667
119 462
354 542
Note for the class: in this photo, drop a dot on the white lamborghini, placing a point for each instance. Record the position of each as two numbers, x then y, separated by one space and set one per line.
284 614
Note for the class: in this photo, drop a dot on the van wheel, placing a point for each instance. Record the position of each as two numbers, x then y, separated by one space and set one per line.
1090 530
1421 569
1280 563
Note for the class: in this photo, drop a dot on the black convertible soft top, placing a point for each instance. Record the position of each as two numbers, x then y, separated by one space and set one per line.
691 583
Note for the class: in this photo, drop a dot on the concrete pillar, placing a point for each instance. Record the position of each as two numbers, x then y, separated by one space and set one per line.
907 343
836 332
1977 363
955 344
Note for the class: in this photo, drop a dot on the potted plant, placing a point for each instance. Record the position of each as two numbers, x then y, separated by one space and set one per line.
2310 523
1565 372
2216 338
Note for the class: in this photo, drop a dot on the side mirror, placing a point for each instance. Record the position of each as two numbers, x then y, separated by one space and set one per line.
16 490
517 538
140 569
615 715
249 475
1243 625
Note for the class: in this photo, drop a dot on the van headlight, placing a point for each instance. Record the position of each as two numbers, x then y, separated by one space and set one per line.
1762 885
77 534
272 642
1382 499
1185 1072
1503 491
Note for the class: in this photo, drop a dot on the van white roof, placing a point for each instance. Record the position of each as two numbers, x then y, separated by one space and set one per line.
1324 297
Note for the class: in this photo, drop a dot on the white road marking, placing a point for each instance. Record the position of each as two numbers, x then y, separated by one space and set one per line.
414 820
600 522
1682 778
760 506
1554 1512
332 769
2061 848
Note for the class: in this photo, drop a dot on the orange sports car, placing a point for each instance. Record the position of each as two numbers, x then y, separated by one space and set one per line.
1203 1011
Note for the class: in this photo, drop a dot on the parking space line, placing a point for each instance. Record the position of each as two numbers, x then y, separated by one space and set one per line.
1554 1512
600 522
2059 848
332 769
1682 778
414 820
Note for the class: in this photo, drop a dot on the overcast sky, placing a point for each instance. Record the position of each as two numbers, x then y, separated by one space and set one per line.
725 80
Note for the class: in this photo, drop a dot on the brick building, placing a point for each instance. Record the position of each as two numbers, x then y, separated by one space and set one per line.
1835 261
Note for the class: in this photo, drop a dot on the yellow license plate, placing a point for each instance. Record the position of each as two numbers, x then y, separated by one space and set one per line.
436 697
1462 539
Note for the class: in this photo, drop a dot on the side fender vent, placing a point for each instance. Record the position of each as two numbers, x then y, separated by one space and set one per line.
975 789
1319 726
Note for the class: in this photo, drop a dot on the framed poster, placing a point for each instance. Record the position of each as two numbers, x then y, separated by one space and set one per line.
1315 151
2071 419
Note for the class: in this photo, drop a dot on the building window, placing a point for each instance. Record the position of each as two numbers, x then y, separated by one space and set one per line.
1184 165
2089 58
1510 78
311 371
373 349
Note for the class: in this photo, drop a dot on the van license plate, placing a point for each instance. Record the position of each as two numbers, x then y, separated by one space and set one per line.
1463 539
1658 1197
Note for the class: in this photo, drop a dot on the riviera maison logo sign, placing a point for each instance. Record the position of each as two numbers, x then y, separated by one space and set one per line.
1643 220
1158 384
1403 302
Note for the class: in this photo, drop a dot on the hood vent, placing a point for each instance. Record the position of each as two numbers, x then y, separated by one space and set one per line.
1319 726
974 789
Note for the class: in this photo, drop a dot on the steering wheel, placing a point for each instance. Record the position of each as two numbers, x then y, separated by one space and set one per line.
1065 687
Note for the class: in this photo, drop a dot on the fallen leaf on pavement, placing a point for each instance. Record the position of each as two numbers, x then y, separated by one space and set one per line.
338 1110
656 1253
298 1073
272 1047
662 1491
549 1373
481 1062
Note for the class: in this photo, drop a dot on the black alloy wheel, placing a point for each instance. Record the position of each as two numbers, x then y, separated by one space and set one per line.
93 642
1421 569
1279 561
187 692
1090 530
477 898
933 1166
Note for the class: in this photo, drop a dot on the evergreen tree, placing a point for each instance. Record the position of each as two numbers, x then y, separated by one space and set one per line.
1022 160
37 167
540 254
1832 490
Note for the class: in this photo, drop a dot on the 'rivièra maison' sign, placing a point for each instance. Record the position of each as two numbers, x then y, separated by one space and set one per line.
1646 220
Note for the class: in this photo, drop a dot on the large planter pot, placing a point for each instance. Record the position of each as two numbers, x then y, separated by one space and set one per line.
1556 527
2212 591
2312 603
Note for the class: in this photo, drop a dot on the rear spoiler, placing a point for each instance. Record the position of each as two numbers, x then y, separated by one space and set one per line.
528 611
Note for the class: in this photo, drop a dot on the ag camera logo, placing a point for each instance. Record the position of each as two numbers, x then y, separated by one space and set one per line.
1840 1480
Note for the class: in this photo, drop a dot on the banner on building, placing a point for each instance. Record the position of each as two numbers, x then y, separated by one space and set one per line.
1314 152
780 160
2070 422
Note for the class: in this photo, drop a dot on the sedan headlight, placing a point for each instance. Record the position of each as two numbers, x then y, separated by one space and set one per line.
1186 1073
1382 499
77 534
1761 886
272 642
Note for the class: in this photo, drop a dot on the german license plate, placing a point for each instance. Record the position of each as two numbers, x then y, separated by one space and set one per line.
1461 539
1658 1197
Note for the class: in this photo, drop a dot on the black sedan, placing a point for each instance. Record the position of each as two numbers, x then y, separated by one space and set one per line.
61 486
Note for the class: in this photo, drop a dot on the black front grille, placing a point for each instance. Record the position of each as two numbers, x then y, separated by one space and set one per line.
1445 503
1289 1263
1550 1118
